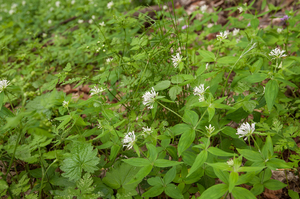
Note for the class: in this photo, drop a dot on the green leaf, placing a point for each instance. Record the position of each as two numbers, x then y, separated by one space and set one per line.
162 85
1 99
249 105
227 130
137 162
179 129
239 192
219 152
286 82
223 175
233 178
120 176
82 157
257 189
211 112
256 77
199 161
177 79
173 191
271 93
245 178
170 175
154 191
165 163
214 192
3 185
274 184
254 23
207 56
227 60
143 172
185 141
85 184
251 155
174 91
155 181
267 149
293 194
152 152
190 117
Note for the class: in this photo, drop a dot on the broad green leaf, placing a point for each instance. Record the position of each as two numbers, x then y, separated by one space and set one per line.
199 161
3 185
256 77
207 56
223 175
257 189
251 155
143 172
173 191
211 112
154 191
179 129
293 194
219 152
152 152
249 105
276 163
274 184
254 23
239 192
1 99
82 158
137 162
155 181
286 82
170 175
233 178
185 141
190 117
220 165
162 85
214 192
114 151
267 149
177 79
227 60
227 130
250 169
165 163
174 91
271 93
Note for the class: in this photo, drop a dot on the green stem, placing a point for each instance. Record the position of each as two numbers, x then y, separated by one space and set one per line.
200 119
169 109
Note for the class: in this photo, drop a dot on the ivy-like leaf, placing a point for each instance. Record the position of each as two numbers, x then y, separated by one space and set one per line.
83 157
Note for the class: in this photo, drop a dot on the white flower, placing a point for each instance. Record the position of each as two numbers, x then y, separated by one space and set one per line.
222 35
146 130
206 66
44 35
57 3
149 98
23 3
210 128
51 9
99 125
176 59
3 84
14 5
240 9
108 60
93 17
230 162
180 19
245 130
277 53
11 11
73 2
165 7
110 5
102 24
65 104
129 140
279 30
200 90
96 90
91 21
80 21
235 32
203 8
49 21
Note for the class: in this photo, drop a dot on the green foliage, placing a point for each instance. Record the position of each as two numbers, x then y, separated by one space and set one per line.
98 99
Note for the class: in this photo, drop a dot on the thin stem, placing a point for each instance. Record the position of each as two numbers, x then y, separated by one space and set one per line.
169 109
200 118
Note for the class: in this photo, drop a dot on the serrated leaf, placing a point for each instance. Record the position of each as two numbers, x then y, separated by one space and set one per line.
85 184
82 158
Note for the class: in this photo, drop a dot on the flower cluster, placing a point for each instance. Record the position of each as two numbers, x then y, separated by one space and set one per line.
245 130
210 129
176 59
108 60
240 9
146 130
277 53
200 90
129 140
149 98
203 8
65 104
110 5
235 32
3 84
284 18
279 30
222 35
96 90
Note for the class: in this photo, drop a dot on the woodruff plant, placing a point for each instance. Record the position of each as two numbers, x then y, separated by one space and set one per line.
170 111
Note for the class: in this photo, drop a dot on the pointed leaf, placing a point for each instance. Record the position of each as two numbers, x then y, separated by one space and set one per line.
166 163
173 191
200 159
190 117
170 175
239 192
185 141
138 162
271 93
214 192
233 178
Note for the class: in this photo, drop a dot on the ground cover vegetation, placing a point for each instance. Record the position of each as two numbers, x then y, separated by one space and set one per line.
98 101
